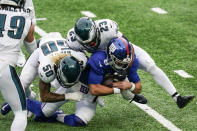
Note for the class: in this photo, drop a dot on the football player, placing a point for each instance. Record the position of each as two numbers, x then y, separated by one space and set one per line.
92 35
119 57
15 28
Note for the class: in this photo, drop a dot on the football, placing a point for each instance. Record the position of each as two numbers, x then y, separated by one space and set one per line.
115 77
108 81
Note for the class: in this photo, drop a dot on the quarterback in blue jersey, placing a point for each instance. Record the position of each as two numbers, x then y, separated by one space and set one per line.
119 58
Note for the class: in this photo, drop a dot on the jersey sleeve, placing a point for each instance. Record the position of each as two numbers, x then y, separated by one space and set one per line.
46 70
72 42
96 63
133 75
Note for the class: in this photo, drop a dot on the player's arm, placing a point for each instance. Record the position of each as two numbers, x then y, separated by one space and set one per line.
134 87
46 95
100 90
30 42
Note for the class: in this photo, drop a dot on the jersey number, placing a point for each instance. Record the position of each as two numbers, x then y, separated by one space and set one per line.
50 47
17 23
48 70
103 26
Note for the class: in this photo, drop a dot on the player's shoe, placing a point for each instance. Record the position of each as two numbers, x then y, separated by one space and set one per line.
21 59
5 108
51 119
139 99
182 101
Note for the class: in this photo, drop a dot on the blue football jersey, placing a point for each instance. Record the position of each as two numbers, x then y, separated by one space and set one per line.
99 67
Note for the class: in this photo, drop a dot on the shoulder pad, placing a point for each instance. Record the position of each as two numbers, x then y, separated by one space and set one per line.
72 41
46 72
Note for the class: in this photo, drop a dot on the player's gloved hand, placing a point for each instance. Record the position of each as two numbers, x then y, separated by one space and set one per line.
75 96
127 94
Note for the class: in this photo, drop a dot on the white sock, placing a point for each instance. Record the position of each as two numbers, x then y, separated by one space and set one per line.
175 96
60 117
162 80
20 121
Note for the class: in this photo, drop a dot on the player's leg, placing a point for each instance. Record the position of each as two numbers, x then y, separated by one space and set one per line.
84 109
147 64
46 112
13 93
84 112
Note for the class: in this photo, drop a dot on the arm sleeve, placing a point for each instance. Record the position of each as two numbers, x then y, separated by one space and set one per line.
133 76
94 77
30 70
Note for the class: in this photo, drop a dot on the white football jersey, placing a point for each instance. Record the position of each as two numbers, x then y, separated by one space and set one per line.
14 27
51 48
108 30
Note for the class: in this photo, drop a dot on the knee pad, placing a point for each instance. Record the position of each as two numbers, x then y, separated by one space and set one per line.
73 120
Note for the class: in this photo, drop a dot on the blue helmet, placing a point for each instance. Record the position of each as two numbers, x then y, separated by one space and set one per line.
16 3
87 33
119 53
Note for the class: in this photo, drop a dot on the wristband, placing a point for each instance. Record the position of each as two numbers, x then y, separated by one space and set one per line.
133 87
30 46
116 91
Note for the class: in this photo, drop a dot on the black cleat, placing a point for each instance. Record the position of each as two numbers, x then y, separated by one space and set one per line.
182 101
139 99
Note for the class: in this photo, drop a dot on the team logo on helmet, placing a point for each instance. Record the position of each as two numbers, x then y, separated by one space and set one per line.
119 53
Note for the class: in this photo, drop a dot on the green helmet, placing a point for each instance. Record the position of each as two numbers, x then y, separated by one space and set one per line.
68 71
17 3
86 32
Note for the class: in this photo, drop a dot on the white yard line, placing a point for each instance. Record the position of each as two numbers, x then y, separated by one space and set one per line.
40 19
183 74
159 10
40 31
166 123
88 14
162 120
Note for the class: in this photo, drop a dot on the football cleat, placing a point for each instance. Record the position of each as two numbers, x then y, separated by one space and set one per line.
182 101
139 99
5 108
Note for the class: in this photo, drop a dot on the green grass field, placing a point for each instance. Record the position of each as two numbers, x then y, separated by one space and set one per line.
171 40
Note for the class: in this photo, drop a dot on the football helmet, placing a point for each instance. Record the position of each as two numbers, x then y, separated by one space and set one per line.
87 33
68 71
119 53
17 3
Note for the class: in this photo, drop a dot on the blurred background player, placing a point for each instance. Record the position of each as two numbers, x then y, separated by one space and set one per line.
92 35
15 28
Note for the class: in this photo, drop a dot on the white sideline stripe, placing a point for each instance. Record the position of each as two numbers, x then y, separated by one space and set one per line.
39 19
144 107
159 10
166 123
183 74
40 31
88 14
